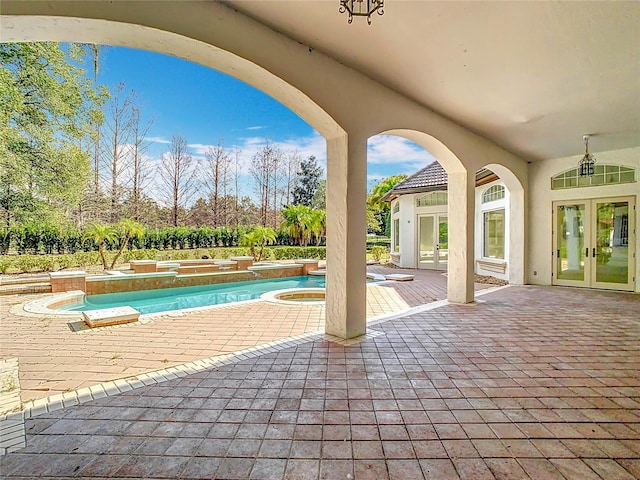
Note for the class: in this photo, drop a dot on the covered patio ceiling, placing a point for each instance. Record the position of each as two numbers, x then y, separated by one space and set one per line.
531 76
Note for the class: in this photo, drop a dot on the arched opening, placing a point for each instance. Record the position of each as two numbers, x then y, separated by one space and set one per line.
457 223
514 224
345 315
491 227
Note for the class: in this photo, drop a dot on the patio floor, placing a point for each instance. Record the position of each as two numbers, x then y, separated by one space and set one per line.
54 359
530 382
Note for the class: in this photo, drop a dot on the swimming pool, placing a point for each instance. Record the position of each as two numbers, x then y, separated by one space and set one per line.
163 300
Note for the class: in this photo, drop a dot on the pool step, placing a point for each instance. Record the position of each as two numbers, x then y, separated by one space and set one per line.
110 316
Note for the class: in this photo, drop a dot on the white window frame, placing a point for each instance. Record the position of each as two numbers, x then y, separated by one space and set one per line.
496 192
504 233
395 235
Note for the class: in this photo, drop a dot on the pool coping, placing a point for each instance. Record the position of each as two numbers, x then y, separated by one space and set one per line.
42 305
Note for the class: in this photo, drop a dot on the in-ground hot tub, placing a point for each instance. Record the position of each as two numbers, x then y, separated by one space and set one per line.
296 296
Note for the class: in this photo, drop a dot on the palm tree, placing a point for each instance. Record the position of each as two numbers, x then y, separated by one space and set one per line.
100 235
129 229
293 221
259 236
318 223
302 222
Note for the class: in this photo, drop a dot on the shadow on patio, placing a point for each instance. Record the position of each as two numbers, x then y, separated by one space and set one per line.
531 382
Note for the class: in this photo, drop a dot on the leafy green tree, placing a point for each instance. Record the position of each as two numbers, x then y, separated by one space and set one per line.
47 106
381 188
378 216
101 235
259 237
308 181
320 197
129 229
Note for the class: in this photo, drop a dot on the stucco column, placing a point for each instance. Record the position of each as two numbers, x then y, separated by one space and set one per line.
346 236
517 237
460 277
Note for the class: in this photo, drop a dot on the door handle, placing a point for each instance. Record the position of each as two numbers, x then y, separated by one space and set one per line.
586 252
594 252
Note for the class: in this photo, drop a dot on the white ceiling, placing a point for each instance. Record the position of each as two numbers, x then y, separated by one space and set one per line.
531 76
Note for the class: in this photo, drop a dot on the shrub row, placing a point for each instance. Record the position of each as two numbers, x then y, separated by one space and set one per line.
36 239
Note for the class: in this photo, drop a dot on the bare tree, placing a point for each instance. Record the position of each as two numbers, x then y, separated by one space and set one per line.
177 176
117 133
216 177
140 174
291 167
94 50
236 190
276 167
89 207
263 170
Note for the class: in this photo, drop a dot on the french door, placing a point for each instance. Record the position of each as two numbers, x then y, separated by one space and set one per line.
594 241
433 247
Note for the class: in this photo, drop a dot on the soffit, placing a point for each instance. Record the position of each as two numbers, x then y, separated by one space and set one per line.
531 76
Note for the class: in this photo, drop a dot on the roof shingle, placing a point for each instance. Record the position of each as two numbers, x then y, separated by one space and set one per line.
433 175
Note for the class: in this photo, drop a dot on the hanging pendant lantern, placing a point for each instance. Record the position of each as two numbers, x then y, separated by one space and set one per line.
586 166
361 8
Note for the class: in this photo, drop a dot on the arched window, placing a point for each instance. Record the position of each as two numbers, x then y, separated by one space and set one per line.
432 199
493 193
602 175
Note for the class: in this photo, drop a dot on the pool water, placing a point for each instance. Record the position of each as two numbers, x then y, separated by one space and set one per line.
163 300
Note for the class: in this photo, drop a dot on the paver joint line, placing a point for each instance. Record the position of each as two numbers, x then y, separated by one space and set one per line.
531 383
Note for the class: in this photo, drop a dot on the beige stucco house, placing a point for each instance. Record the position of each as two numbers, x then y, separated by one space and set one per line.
507 86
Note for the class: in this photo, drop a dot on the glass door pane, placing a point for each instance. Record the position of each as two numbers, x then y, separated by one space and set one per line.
570 256
443 241
426 241
612 242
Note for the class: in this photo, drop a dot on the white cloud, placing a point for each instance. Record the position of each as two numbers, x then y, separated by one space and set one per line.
304 146
390 149
158 140
256 127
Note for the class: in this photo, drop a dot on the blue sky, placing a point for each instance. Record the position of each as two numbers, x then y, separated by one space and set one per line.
204 105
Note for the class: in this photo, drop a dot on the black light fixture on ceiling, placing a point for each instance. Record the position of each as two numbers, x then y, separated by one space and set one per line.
586 166
361 8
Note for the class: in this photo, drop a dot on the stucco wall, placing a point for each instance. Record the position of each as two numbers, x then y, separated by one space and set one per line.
540 206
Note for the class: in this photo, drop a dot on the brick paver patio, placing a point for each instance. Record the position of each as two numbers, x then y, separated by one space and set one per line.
54 359
530 382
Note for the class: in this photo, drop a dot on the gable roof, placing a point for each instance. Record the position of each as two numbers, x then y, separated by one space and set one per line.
430 178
